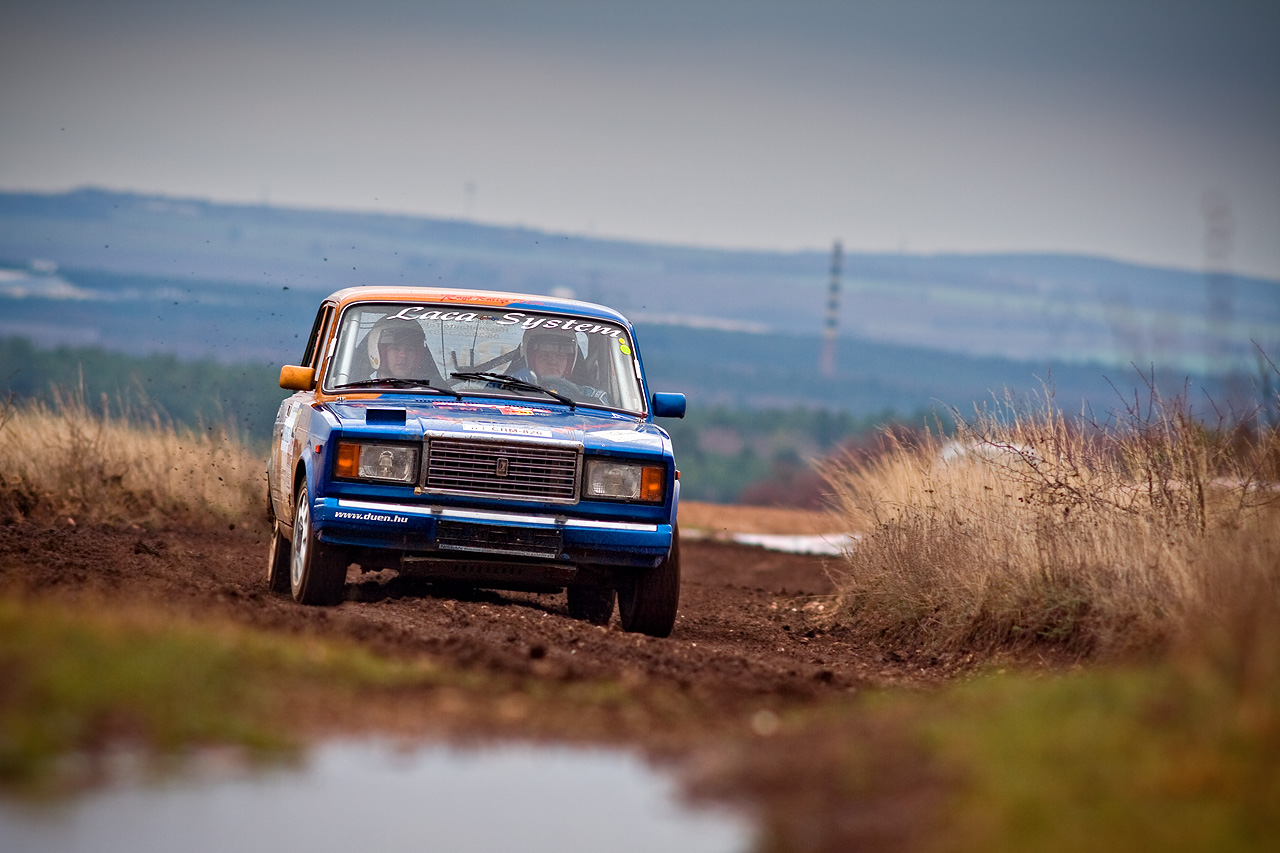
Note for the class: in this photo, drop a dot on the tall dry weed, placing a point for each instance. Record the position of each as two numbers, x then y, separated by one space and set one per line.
1030 529
98 464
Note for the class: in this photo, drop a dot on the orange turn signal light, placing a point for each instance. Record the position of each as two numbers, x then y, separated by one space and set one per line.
651 482
348 461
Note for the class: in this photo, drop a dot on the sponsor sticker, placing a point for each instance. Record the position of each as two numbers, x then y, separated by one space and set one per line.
465 407
371 516
506 429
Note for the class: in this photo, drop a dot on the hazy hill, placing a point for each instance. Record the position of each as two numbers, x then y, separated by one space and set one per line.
149 274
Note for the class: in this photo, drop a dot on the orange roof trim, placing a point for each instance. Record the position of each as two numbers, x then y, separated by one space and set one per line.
473 300
453 297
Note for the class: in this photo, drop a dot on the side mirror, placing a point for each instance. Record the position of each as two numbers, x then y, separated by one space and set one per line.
295 378
668 405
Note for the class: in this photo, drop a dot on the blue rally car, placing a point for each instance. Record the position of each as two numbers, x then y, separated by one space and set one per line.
490 439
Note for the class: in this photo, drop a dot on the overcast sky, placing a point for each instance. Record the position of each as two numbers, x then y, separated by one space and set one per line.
1088 126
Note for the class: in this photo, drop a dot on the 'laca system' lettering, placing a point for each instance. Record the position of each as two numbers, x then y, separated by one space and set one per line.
571 324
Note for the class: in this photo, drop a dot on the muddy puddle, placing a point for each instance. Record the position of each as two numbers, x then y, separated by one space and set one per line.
373 795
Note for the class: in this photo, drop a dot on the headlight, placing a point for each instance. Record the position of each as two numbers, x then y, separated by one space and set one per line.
392 463
625 481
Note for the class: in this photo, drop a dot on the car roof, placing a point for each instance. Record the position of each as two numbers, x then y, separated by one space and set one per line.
489 298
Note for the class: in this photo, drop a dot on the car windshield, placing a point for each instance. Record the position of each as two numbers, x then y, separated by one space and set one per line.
411 346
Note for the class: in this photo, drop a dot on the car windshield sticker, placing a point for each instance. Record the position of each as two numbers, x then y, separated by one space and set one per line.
573 324
418 312
512 318
506 429
626 350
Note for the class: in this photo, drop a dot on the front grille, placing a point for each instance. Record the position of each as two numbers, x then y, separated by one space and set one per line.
534 472
498 539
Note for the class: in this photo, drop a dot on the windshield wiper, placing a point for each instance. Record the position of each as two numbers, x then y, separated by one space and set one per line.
396 382
509 381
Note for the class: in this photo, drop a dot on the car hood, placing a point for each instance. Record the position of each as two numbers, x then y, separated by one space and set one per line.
594 428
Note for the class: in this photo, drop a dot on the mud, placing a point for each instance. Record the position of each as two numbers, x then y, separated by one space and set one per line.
754 636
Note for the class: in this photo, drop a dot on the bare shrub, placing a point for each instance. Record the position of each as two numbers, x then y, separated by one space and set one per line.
73 460
1030 529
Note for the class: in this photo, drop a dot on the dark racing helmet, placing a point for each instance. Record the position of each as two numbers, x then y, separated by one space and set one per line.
395 330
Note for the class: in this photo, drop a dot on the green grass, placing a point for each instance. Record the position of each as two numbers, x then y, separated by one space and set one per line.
72 680
1161 758
78 681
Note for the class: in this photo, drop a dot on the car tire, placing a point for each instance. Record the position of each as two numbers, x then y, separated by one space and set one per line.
592 604
278 556
317 572
647 602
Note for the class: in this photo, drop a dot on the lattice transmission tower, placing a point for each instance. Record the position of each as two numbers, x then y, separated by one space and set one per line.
827 360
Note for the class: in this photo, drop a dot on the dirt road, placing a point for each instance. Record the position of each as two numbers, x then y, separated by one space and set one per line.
751 621
753 636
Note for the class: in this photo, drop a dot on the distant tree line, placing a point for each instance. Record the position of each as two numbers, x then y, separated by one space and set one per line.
198 394
725 454
775 456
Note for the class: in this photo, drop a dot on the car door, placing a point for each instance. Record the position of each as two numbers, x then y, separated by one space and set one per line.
289 433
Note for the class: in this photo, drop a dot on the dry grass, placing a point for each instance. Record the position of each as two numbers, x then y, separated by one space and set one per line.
94 464
1032 530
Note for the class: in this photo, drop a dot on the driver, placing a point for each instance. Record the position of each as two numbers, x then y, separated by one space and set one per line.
398 348
552 355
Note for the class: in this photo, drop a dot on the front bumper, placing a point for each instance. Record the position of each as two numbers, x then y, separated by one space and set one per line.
445 532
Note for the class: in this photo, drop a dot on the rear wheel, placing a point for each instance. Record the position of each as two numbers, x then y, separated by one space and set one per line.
648 601
593 604
278 555
317 572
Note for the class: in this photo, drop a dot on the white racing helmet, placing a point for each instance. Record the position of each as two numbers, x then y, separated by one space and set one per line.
559 339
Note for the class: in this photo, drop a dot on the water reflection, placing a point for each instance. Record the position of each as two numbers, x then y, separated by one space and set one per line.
372 796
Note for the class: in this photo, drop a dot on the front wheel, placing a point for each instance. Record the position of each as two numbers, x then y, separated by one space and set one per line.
317 572
278 556
647 602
